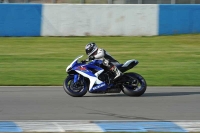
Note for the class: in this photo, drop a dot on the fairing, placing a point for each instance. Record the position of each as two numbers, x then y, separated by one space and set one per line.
73 62
85 71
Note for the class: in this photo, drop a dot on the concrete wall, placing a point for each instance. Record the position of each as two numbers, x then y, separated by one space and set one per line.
98 20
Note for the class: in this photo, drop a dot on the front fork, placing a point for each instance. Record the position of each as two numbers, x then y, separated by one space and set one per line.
78 79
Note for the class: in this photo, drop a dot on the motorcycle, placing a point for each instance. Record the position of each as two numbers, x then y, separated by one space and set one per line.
93 77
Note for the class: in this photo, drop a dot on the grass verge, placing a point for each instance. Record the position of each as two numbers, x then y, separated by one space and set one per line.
163 60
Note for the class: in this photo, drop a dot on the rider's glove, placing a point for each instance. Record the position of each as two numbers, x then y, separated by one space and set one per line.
83 61
91 58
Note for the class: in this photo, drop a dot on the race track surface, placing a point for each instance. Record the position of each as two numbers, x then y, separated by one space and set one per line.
52 103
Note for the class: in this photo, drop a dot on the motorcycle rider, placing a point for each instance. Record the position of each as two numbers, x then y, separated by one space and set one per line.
94 52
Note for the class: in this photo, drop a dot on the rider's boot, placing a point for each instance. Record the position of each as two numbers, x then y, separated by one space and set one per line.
112 68
116 71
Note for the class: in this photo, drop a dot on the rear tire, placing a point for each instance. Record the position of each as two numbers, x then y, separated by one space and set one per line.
72 90
135 84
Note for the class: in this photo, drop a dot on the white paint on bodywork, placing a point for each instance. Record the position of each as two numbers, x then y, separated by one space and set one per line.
98 73
93 80
127 63
80 56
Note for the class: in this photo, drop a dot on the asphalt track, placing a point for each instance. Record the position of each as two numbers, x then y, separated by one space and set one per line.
52 103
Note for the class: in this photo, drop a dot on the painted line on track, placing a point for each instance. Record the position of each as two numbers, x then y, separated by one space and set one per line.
140 127
8 126
99 126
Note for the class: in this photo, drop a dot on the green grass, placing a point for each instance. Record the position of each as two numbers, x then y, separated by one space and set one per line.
163 60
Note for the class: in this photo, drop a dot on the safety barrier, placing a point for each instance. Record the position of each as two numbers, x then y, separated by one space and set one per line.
179 19
20 19
98 19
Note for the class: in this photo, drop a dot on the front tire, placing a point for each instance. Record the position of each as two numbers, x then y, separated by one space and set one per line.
73 89
134 85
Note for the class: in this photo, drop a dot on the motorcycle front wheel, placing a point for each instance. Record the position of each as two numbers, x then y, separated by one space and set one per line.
134 85
77 89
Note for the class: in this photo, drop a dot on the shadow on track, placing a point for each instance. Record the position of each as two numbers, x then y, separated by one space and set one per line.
107 95
158 94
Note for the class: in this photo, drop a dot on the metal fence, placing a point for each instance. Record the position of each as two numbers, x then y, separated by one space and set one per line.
106 1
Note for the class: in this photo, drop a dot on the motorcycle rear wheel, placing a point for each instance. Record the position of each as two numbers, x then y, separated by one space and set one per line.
73 89
135 84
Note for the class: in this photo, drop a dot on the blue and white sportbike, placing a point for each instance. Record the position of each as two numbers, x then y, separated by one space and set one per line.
93 77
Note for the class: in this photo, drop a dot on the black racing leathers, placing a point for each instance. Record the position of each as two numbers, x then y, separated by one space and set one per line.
108 61
102 54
